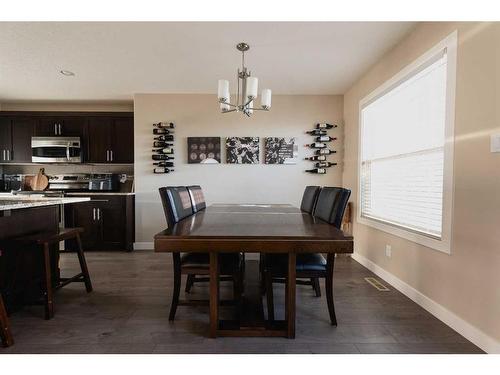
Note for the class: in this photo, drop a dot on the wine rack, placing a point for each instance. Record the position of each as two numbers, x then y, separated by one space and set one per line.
320 143
163 147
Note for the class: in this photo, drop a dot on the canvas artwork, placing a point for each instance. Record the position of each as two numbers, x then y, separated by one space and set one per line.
280 150
203 150
242 150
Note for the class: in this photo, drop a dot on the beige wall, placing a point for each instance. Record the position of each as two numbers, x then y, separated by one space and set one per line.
198 115
467 282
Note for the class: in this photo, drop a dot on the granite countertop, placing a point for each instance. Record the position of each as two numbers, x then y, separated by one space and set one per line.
13 202
90 193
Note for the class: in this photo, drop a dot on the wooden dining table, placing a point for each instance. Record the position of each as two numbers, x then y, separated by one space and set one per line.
253 228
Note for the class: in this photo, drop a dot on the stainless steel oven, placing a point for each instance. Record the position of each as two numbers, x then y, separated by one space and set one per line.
56 150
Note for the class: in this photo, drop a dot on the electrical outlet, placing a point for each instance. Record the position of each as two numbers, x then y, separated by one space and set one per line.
388 251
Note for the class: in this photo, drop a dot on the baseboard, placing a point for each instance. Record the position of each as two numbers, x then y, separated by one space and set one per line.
471 333
143 246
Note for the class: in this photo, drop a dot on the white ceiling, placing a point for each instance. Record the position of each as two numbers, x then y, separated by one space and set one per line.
114 60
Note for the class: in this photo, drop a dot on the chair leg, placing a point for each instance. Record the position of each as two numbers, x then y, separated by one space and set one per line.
83 264
269 295
316 286
177 285
329 288
5 334
49 304
189 283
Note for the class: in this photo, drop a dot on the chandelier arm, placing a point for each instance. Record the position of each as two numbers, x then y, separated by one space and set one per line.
230 110
260 109
229 104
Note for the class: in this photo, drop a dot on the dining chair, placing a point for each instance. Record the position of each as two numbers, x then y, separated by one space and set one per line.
330 207
309 198
5 332
177 206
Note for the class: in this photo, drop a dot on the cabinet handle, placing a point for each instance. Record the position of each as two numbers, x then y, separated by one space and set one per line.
60 129
3 154
98 214
111 152
8 154
107 155
93 213
55 129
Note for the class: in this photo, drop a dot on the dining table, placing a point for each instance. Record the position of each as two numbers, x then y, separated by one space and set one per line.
253 228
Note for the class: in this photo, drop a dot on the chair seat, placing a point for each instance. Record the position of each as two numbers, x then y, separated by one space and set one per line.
227 262
278 263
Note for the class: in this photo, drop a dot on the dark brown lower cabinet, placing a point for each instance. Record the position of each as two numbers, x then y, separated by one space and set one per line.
108 221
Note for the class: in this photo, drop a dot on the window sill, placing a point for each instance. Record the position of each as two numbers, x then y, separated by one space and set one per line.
442 245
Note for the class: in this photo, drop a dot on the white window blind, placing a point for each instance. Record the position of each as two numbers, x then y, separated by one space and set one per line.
402 151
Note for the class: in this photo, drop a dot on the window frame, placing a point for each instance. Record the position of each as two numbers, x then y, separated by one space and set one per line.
444 243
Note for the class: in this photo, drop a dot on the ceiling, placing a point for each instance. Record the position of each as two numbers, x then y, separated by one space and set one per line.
114 60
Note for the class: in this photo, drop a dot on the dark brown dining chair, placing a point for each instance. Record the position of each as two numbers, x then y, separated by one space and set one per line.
178 205
330 207
5 333
309 198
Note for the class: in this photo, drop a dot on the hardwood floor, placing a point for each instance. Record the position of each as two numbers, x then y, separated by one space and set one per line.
128 313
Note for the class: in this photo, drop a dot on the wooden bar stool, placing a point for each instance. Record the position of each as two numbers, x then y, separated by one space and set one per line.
45 241
6 335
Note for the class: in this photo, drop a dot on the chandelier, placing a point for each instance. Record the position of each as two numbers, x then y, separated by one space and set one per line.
247 90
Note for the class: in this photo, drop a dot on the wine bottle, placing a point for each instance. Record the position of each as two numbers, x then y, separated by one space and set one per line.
317 132
325 126
166 150
164 138
317 158
162 170
161 157
325 138
162 144
324 164
317 145
317 170
164 164
164 125
325 151
168 137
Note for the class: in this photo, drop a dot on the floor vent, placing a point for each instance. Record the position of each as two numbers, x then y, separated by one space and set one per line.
376 284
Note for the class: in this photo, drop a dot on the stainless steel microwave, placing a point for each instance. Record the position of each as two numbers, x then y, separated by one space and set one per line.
56 150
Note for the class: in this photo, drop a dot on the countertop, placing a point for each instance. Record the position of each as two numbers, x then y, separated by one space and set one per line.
13 202
90 193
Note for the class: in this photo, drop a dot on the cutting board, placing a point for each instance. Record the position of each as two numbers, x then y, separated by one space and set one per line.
40 181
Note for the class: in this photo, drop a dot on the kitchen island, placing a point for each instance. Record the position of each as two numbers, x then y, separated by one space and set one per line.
22 215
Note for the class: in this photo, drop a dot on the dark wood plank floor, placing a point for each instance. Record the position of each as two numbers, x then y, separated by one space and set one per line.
128 313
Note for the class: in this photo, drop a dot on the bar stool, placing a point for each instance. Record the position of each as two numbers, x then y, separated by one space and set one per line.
45 241
5 334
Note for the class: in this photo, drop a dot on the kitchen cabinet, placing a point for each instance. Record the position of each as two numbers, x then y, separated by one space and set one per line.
111 140
61 126
108 222
15 139
22 131
5 139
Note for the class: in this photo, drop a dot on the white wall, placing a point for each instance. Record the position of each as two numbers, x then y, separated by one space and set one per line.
198 115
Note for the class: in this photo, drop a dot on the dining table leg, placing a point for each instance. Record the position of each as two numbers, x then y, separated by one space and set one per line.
290 295
214 294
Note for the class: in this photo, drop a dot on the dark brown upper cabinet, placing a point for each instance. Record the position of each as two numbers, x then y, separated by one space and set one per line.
61 126
15 139
111 140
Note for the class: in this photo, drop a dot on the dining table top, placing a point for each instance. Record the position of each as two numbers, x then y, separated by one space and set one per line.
250 227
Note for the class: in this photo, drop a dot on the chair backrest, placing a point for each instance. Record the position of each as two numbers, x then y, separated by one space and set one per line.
197 198
331 205
176 203
309 198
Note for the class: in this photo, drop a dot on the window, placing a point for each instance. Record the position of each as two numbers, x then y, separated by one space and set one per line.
406 150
